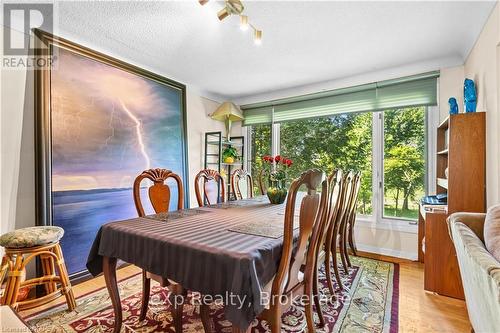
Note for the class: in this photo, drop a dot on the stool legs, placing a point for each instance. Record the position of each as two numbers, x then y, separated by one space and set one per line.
65 284
51 257
48 268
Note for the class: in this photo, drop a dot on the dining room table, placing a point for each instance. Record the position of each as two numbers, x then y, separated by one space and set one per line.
229 250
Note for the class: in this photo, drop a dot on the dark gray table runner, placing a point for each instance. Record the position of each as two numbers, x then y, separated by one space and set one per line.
198 251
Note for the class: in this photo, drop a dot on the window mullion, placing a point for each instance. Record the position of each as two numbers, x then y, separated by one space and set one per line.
378 165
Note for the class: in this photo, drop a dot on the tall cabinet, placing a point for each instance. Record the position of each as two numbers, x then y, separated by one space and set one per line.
461 173
215 143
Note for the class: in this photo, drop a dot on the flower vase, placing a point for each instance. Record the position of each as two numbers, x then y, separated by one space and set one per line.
276 192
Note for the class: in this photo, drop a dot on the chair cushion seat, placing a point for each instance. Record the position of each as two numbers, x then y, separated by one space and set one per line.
31 237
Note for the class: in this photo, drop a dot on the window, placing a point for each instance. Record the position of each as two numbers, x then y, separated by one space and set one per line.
260 140
404 161
340 141
377 128
352 142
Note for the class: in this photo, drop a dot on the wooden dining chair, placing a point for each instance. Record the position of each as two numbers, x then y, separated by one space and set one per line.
335 228
350 180
348 233
213 186
238 176
159 195
297 269
334 210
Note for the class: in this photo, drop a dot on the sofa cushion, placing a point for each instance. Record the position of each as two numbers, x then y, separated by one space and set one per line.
492 231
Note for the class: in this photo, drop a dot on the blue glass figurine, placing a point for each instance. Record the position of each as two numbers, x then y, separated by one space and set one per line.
470 96
453 105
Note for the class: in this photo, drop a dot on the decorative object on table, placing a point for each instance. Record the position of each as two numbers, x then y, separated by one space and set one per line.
25 245
277 190
348 313
470 96
230 155
228 112
452 102
235 7
100 122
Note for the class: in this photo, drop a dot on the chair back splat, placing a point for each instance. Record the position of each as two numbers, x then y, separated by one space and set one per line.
159 193
238 176
213 186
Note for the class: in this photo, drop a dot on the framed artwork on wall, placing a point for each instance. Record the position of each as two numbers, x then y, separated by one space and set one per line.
99 123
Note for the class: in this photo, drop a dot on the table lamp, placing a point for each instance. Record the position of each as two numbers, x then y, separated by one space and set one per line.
228 112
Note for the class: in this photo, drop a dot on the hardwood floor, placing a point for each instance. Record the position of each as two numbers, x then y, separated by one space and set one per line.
419 311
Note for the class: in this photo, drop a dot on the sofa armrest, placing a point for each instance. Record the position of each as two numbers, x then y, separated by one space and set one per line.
475 221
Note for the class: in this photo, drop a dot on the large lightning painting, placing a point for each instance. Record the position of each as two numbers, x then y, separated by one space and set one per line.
108 125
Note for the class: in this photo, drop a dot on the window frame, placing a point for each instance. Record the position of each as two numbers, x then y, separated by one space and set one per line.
377 219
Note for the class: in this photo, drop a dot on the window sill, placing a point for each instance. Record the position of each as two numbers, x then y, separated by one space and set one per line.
385 224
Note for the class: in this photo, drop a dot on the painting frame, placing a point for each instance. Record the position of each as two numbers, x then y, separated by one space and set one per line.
43 123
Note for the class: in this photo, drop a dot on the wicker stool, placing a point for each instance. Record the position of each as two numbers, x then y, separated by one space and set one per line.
21 247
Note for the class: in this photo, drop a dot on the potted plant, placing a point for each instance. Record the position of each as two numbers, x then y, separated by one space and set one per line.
277 190
229 155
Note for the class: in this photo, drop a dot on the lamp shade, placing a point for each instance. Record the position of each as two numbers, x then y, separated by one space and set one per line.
227 111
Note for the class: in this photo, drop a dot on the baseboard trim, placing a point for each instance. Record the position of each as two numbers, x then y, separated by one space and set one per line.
387 252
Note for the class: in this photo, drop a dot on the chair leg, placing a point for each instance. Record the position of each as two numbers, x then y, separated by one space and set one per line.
274 320
352 243
146 287
205 317
328 272
308 309
317 302
346 252
65 284
336 266
342 252
177 297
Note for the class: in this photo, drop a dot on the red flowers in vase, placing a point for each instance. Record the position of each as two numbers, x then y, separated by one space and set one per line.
278 165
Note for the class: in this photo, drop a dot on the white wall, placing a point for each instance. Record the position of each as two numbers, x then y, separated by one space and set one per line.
451 83
17 149
482 66
198 123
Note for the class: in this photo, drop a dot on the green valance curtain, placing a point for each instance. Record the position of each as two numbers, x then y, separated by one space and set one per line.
417 90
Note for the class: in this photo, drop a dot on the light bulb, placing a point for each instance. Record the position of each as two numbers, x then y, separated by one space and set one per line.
244 22
258 37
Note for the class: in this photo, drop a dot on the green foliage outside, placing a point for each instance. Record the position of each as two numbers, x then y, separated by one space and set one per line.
345 142
404 161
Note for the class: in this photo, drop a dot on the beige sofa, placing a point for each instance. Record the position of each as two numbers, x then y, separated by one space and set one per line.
480 271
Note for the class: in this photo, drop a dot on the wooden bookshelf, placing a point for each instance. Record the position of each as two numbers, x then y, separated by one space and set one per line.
461 147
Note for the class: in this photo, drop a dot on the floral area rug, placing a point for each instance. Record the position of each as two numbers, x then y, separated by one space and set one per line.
368 303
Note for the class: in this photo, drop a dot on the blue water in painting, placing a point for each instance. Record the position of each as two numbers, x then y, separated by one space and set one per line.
81 213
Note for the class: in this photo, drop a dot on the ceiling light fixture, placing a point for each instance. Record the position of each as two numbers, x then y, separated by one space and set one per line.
235 7
244 22
257 37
